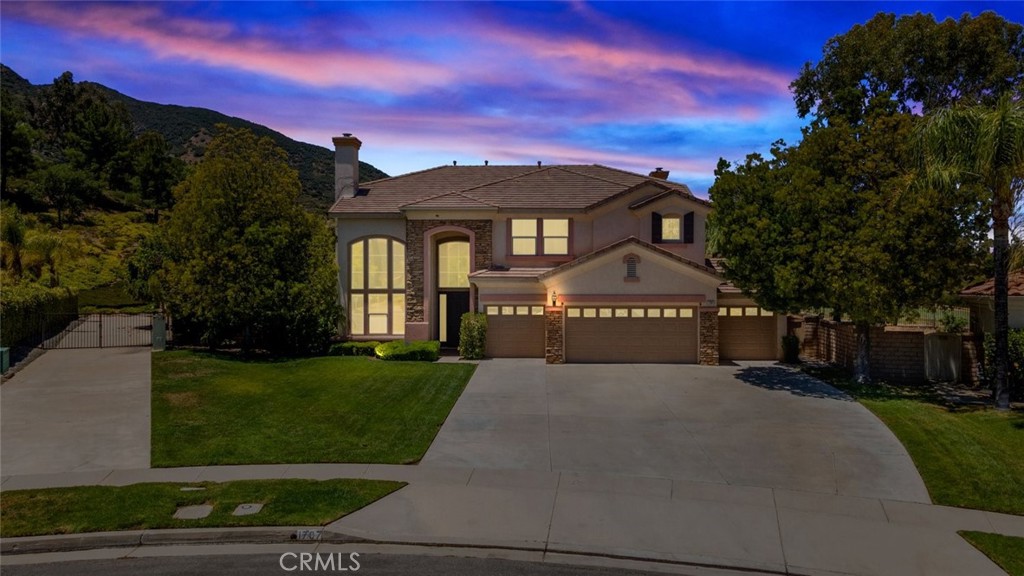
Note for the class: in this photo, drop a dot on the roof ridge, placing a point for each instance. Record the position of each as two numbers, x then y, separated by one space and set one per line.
449 193
493 182
649 177
404 175
595 177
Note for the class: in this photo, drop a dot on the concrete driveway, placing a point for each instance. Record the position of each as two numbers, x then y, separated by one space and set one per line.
752 425
77 410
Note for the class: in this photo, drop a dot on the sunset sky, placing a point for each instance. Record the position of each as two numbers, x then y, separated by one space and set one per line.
630 85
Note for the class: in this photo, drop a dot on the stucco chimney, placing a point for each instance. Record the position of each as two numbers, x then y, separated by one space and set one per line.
346 166
659 173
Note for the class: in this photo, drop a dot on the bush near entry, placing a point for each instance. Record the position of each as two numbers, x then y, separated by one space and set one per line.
424 350
473 336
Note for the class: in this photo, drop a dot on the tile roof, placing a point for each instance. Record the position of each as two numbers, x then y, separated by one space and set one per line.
558 187
510 273
631 240
987 288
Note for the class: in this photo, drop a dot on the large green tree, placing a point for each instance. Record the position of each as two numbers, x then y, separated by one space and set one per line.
842 220
156 170
245 263
984 145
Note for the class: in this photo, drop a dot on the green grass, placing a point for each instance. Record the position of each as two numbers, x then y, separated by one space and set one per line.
968 456
1006 551
210 409
146 506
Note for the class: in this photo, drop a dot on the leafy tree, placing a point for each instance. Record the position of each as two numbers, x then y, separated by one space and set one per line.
156 170
842 220
16 135
67 189
244 262
982 145
12 234
50 249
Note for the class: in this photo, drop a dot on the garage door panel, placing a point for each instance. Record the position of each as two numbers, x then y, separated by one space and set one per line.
631 339
515 336
747 338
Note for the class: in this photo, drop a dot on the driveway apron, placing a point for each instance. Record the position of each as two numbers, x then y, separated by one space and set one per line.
77 410
755 424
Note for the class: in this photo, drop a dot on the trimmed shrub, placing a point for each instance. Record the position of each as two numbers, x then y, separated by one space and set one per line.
354 348
472 336
30 308
790 349
423 350
1015 366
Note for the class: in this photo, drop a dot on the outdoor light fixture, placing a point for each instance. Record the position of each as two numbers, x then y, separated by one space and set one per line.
554 298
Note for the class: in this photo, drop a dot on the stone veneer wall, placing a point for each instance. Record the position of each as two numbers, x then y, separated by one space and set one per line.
415 267
708 354
554 335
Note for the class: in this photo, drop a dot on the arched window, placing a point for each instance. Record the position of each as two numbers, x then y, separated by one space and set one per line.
377 287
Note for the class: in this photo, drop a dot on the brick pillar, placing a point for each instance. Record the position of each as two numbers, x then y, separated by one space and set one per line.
554 340
708 355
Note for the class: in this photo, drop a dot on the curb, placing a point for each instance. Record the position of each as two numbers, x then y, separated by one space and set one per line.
172 537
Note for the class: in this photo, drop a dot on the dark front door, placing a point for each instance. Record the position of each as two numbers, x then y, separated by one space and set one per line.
452 304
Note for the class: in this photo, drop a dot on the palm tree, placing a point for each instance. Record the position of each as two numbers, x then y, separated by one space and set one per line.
984 145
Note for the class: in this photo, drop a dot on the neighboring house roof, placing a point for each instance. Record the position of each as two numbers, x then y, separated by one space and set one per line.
987 288
558 187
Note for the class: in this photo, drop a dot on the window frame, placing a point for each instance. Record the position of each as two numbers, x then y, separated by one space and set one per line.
364 293
539 239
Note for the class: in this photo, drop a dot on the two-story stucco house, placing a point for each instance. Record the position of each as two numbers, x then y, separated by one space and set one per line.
570 263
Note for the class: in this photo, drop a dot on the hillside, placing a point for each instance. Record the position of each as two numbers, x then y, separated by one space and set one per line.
188 129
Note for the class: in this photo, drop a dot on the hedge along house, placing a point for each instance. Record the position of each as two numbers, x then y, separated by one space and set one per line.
580 263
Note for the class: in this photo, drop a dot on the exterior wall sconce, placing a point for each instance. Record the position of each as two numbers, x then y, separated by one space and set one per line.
554 298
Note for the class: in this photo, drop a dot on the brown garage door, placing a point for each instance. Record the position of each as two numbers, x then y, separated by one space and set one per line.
747 333
515 331
631 334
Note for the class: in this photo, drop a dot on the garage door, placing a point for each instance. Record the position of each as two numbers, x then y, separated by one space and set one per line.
747 333
631 334
515 331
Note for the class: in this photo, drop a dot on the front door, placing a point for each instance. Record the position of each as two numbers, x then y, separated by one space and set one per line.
452 289
451 306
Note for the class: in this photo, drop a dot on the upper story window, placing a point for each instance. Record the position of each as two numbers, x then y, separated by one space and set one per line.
669 228
377 287
540 236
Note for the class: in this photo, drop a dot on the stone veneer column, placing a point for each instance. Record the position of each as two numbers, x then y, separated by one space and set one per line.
415 316
554 330
708 354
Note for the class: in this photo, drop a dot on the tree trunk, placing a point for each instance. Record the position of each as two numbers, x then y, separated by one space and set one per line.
862 363
1000 252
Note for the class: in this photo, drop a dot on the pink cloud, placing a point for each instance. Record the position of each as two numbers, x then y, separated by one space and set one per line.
218 44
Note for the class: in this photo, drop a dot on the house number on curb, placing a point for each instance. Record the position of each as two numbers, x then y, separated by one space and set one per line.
307 534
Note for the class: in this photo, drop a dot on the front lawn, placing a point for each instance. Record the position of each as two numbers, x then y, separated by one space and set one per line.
968 456
1006 551
146 506
215 410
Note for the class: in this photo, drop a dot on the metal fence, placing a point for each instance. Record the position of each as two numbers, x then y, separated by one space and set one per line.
96 331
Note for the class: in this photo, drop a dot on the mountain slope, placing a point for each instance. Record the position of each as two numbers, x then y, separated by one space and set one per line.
188 129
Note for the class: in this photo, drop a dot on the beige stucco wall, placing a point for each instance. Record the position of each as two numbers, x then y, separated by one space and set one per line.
983 308
658 275
347 230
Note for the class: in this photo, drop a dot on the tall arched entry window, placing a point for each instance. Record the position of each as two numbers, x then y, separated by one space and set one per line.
377 287
452 288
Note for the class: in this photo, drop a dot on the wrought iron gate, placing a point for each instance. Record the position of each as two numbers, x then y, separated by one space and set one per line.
96 331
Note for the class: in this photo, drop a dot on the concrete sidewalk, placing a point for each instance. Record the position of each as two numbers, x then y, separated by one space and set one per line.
644 518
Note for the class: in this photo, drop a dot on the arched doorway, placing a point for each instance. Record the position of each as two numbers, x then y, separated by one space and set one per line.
453 267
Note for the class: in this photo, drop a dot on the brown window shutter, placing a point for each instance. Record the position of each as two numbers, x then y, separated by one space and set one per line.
688 228
655 227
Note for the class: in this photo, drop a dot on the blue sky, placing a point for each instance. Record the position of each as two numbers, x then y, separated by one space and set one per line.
632 85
